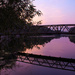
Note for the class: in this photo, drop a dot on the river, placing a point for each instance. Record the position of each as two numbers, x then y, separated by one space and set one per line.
62 46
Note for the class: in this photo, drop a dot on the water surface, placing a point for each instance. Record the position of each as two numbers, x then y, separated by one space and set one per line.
54 45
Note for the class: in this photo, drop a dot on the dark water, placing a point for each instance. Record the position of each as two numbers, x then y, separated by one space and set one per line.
54 45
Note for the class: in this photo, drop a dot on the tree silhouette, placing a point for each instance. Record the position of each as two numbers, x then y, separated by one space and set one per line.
17 13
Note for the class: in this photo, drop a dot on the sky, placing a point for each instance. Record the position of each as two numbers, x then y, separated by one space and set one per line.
56 11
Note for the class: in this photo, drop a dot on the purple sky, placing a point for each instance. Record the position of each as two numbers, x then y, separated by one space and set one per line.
56 11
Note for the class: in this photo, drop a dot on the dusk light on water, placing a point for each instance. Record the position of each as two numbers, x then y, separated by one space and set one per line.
37 37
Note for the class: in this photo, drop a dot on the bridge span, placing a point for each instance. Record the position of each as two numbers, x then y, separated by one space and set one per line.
59 28
46 30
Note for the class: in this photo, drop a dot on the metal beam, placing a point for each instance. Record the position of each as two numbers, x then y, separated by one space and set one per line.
59 27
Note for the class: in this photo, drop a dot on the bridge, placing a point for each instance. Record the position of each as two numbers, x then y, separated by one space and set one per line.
60 28
47 61
46 30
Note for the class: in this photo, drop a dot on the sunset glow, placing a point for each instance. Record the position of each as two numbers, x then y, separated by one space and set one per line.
56 11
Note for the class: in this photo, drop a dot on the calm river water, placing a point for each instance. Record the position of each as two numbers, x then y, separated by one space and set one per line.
54 45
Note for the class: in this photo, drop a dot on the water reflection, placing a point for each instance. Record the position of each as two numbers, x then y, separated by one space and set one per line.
10 45
47 61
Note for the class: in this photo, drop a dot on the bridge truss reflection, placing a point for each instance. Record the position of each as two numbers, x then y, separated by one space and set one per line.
47 61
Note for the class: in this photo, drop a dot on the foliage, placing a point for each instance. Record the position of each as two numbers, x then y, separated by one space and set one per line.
17 13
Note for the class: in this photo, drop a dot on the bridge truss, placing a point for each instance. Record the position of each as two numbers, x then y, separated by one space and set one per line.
61 27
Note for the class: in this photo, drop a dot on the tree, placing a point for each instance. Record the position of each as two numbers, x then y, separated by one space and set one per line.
17 13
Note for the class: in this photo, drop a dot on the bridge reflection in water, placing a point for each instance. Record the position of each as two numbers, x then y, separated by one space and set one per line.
11 45
47 61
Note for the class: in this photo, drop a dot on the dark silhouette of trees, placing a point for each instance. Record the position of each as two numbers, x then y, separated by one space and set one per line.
17 14
72 39
72 30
